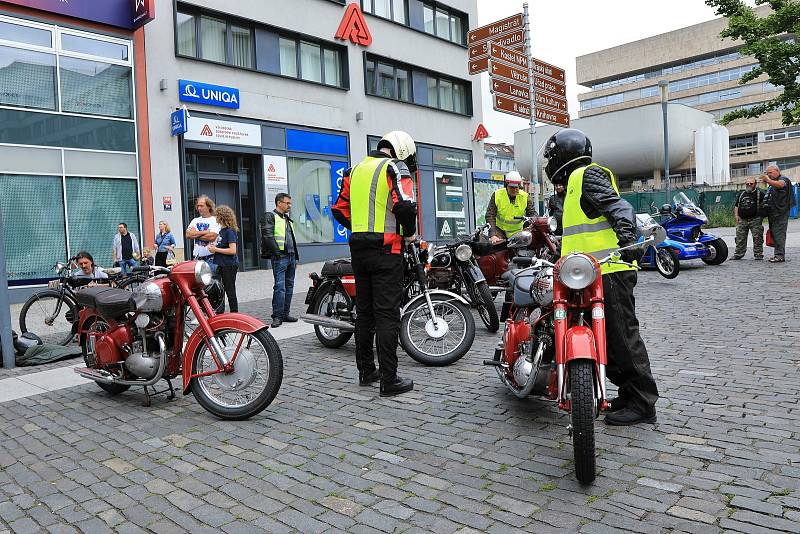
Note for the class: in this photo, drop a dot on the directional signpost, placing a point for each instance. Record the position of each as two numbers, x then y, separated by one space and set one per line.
521 84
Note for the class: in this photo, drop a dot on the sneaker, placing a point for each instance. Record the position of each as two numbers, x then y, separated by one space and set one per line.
276 322
396 386
737 257
630 416
289 319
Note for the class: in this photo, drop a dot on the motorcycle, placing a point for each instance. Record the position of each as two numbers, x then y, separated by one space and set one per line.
663 256
683 223
230 363
436 329
453 267
554 343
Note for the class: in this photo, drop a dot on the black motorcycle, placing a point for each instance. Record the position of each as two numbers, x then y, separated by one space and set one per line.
454 267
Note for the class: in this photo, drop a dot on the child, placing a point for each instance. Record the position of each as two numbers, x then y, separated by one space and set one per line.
147 258
225 253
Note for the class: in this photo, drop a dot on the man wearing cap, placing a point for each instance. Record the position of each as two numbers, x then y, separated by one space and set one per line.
507 206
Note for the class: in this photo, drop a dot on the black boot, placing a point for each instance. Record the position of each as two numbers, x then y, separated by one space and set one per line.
631 415
366 379
395 386
616 404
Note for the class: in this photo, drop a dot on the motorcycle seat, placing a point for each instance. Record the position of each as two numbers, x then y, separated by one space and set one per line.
337 268
109 302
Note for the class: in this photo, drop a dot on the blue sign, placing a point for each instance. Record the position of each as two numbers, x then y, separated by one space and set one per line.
179 121
205 93
340 233
316 142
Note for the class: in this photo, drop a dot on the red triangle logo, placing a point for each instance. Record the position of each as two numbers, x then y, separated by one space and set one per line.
206 131
271 168
354 27
481 133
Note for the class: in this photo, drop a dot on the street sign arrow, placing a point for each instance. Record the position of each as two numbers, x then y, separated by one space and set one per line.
507 56
513 74
552 117
479 65
512 107
551 86
551 101
495 29
546 69
512 90
510 41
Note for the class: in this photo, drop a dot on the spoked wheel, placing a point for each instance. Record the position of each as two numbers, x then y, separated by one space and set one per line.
486 308
667 262
252 383
53 318
325 304
582 416
439 340
719 252
88 350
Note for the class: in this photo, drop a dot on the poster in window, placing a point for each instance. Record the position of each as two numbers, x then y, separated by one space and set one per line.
340 233
275 178
450 214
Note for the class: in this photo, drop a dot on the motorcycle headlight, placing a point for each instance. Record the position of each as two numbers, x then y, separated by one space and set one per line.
202 273
463 252
577 271
552 224
542 287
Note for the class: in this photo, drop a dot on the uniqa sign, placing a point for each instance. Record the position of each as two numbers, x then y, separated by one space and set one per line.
206 93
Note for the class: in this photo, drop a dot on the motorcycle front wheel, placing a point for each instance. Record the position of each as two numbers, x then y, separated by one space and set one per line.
719 252
582 416
324 304
486 308
252 384
667 262
441 340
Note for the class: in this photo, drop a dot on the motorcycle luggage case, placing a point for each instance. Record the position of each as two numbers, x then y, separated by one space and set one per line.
337 268
109 302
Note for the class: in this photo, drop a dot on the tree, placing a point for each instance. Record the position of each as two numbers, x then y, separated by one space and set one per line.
772 40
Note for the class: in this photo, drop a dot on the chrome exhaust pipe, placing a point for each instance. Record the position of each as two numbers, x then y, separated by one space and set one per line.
328 322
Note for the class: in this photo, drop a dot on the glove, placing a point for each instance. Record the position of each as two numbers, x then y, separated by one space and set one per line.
631 255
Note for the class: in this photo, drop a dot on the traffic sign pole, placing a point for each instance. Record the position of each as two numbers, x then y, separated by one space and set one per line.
532 88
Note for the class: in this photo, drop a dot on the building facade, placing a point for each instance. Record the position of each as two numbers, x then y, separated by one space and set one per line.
278 103
703 72
499 157
73 132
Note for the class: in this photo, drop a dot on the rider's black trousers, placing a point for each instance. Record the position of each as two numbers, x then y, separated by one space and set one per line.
628 362
379 293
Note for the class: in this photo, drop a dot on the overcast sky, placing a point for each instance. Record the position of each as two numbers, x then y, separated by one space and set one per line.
565 29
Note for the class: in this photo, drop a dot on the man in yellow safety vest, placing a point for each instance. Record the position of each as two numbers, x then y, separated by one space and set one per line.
597 221
377 204
279 245
507 206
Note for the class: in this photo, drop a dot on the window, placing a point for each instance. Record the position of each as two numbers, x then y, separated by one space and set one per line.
310 64
333 68
446 95
94 47
187 36
242 46
443 22
18 33
389 9
96 88
783 133
27 78
288 57
212 39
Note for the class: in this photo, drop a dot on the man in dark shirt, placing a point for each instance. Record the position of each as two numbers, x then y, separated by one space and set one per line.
125 249
279 245
779 201
746 211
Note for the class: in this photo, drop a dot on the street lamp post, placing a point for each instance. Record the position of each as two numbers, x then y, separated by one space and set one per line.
664 87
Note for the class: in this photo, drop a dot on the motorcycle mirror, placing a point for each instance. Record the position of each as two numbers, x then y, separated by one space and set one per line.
659 234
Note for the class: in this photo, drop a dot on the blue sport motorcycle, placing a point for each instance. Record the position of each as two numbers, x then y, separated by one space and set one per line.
683 223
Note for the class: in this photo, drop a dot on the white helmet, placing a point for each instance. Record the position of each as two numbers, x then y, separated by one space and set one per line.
402 146
513 177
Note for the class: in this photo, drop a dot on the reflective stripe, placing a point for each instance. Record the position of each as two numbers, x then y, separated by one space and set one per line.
587 227
373 190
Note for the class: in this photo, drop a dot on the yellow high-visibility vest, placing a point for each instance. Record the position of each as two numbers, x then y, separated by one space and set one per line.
370 207
507 212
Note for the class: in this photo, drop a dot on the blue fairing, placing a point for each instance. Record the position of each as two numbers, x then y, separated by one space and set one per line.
686 237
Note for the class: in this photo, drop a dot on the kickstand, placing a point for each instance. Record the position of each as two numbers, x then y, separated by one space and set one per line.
171 395
147 401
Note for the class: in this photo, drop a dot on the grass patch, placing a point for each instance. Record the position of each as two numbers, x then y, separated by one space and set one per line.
720 217
549 486
503 468
592 498
341 456
781 493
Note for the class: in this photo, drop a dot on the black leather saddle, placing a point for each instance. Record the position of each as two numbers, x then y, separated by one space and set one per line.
108 301
337 268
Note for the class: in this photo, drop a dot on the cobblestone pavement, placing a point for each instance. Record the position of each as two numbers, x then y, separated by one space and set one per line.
459 454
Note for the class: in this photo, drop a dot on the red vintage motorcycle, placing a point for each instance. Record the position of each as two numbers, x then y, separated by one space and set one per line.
554 343
230 363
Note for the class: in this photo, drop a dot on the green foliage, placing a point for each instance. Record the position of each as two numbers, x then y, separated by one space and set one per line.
720 217
765 38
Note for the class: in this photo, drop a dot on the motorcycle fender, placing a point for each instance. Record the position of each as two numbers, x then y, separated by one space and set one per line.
433 292
580 344
312 292
706 238
472 271
86 317
237 321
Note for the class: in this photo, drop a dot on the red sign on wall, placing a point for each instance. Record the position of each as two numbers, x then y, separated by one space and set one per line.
481 133
354 27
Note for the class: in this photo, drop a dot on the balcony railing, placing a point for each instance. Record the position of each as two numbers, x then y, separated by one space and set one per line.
744 150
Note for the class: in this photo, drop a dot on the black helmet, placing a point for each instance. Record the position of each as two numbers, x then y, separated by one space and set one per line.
666 209
563 150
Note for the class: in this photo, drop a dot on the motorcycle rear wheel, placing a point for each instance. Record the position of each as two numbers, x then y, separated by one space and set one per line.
330 337
720 249
667 263
40 308
259 362
87 349
582 416
486 308
437 352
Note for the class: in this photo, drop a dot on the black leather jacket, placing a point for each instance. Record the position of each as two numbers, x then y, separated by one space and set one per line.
599 198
